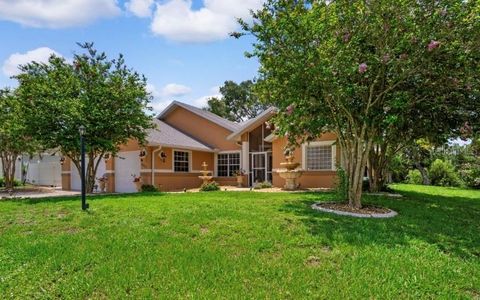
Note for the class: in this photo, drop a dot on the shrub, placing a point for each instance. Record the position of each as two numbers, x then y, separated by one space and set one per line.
210 187
148 188
471 175
262 185
414 177
443 173
15 182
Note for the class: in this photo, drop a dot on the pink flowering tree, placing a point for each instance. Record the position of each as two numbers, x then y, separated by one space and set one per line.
369 71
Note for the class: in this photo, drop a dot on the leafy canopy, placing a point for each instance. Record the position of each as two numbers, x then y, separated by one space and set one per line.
103 95
364 68
238 102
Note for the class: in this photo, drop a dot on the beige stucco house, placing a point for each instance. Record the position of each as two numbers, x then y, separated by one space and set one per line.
187 136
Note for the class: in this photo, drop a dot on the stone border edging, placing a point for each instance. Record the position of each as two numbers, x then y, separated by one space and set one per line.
390 214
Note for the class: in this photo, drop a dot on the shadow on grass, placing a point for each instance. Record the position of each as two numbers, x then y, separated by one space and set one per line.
451 224
94 197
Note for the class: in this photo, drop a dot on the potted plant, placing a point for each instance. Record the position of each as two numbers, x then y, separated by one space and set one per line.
103 183
138 182
239 174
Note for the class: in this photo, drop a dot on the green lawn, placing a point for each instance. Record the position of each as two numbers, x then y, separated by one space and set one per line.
241 245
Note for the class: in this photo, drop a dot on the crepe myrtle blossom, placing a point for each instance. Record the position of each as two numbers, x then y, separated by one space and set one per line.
362 68
290 109
433 45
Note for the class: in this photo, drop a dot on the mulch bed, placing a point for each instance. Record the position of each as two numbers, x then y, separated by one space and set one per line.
366 209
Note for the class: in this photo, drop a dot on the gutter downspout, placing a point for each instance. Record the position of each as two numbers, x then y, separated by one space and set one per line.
153 164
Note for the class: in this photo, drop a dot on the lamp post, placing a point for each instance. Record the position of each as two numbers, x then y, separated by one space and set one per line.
82 131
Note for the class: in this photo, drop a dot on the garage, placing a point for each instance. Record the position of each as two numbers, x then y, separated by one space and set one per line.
126 165
44 171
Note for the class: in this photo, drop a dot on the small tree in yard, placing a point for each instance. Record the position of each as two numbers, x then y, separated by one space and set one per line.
103 95
359 68
14 138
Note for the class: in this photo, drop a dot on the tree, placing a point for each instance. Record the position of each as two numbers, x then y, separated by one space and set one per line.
103 95
238 102
358 67
14 138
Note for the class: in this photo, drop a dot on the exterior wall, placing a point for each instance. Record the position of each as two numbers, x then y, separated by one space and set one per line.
165 178
201 129
66 169
131 145
309 179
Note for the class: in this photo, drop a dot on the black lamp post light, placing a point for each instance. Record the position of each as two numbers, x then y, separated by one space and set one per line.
82 132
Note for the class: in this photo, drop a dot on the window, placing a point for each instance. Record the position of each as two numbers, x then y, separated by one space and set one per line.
319 156
181 161
228 164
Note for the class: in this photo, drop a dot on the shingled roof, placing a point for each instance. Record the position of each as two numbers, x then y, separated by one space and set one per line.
232 126
167 136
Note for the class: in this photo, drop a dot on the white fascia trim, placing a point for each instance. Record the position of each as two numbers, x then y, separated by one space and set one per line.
263 117
182 147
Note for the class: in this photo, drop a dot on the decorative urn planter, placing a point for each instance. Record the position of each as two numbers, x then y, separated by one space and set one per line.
102 186
239 174
102 183
239 181
138 182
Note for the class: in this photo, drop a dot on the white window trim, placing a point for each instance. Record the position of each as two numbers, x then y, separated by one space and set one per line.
319 143
190 159
227 152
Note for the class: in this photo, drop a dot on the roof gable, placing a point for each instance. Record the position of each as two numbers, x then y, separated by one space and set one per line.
253 123
167 136
229 125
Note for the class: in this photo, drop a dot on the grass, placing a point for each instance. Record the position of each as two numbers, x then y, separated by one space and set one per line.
241 245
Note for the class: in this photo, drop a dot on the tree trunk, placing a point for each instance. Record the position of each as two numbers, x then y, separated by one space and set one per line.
423 171
377 168
8 165
356 153
91 169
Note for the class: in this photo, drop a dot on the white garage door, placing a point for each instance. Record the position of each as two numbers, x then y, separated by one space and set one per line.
46 171
76 182
126 165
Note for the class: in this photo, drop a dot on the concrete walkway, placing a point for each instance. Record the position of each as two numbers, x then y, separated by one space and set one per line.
37 192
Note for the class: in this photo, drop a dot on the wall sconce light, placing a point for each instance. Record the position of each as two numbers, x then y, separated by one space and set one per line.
62 160
143 154
107 157
163 156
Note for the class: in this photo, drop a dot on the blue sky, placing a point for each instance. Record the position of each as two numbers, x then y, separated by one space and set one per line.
181 46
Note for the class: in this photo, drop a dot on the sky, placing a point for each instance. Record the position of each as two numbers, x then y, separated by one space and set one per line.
183 47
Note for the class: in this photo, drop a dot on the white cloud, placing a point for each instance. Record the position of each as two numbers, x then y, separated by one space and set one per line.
162 98
175 90
140 8
57 13
41 55
202 101
159 105
176 20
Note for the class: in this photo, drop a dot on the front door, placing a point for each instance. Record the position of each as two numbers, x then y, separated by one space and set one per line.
260 167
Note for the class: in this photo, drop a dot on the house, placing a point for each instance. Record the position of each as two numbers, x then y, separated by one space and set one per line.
187 136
